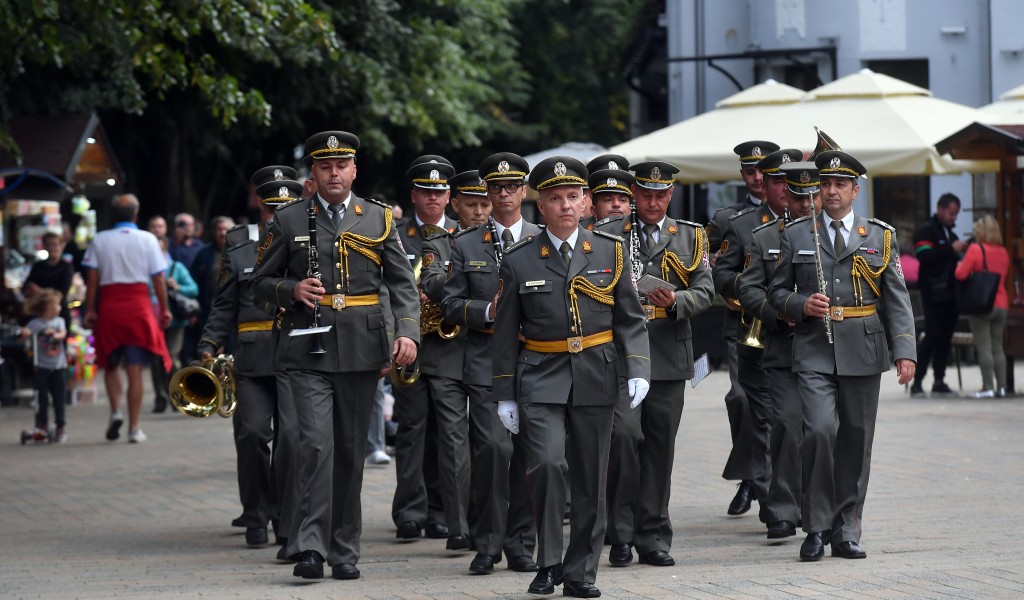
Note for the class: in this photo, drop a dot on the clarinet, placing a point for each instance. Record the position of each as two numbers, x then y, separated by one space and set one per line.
821 273
494 240
314 272
636 264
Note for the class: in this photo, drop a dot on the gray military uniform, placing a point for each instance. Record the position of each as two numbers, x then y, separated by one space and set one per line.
839 382
265 412
567 399
334 391
498 463
787 419
643 439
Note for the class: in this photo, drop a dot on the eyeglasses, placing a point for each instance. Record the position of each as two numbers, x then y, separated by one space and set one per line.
181 224
495 188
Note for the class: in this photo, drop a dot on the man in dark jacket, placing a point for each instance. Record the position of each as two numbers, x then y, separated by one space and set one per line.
938 249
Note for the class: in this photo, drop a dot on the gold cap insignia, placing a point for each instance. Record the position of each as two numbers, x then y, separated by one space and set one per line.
503 167
278 175
332 142
655 173
586 246
805 177
559 169
545 251
835 162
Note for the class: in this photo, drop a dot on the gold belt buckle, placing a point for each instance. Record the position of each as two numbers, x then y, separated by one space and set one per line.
338 301
648 311
575 345
837 313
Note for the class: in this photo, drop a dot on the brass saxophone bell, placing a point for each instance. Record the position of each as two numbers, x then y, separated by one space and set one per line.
201 390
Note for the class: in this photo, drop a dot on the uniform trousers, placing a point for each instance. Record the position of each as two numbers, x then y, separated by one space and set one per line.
661 412
624 471
418 493
759 423
839 428
787 431
738 466
581 466
503 515
333 412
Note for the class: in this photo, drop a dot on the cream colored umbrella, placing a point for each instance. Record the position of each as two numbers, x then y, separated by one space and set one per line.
1009 110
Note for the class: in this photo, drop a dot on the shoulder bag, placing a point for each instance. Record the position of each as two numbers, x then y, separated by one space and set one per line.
977 294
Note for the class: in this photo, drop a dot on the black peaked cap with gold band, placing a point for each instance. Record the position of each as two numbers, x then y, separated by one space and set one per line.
654 174
754 150
504 166
607 161
770 165
276 193
607 181
557 171
273 173
802 178
430 172
468 182
835 163
330 144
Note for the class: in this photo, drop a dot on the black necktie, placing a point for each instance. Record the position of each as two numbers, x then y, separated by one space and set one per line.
649 236
506 238
564 251
839 245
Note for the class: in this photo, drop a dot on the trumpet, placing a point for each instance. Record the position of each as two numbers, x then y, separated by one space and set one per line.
207 388
754 337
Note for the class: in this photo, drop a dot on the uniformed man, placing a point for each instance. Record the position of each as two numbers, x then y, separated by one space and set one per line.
783 502
839 362
358 252
590 210
643 446
469 199
730 264
498 463
739 466
266 413
430 446
569 293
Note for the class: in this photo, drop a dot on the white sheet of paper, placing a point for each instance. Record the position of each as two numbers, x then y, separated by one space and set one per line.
701 369
310 330
649 282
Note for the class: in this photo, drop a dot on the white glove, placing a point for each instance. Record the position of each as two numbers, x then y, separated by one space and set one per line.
637 391
508 412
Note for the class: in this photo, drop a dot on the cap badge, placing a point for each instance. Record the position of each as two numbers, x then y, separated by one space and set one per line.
433 160
785 158
282 192
655 173
805 177
559 169
612 182
756 151
435 174
503 167
835 162
278 175
332 142
482 183
613 165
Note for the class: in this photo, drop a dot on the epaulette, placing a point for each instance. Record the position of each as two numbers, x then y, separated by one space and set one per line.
690 223
290 202
523 242
744 211
463 232
733 208
609 219
378 203
795 221
883 224
437 234
611 236
763 225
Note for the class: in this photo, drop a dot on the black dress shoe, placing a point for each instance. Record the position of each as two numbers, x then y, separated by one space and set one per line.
620 555
457 542
310 565
483 564
781 529
522 564
848 550
283 555
255 536
580 589
238 522
657 558
409 530
741 501
813 547
546 580
436 531
344 571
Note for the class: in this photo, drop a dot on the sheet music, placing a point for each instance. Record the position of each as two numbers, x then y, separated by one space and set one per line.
649 282
701 369
309 330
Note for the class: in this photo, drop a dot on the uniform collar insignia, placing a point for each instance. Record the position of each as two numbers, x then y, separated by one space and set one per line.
862 231
586 246
451 230
487 236
411 232
590 226
627 227
672 229
764 219
357 209
545 251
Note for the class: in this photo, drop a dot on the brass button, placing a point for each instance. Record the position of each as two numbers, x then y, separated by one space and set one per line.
338 265
337 287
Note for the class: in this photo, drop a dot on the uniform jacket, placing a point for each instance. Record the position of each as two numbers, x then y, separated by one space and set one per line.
762 257
358 340
671 338
938 261
737 237
720 222
467 292
535 300
860 346
233 305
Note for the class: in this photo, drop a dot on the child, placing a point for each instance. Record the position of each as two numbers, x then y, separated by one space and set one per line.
51 364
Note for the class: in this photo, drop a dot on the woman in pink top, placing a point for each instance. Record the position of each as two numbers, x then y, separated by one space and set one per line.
988 328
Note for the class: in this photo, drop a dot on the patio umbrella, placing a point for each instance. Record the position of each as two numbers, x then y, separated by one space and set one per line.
1009 110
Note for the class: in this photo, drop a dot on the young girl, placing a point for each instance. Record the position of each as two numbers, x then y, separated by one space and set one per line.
51 364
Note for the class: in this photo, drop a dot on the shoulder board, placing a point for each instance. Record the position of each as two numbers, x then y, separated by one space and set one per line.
437 234
523 242
690 223
378 203
459 234
609 220
610 236
732 208
290 202
883 224
763 225
240 246
795 221
744 211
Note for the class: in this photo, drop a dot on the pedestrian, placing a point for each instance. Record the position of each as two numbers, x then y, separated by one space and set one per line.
937 249
180 281
54 272
119 263
988 254
48 331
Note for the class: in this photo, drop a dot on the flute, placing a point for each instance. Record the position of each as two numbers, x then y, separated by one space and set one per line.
821 272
